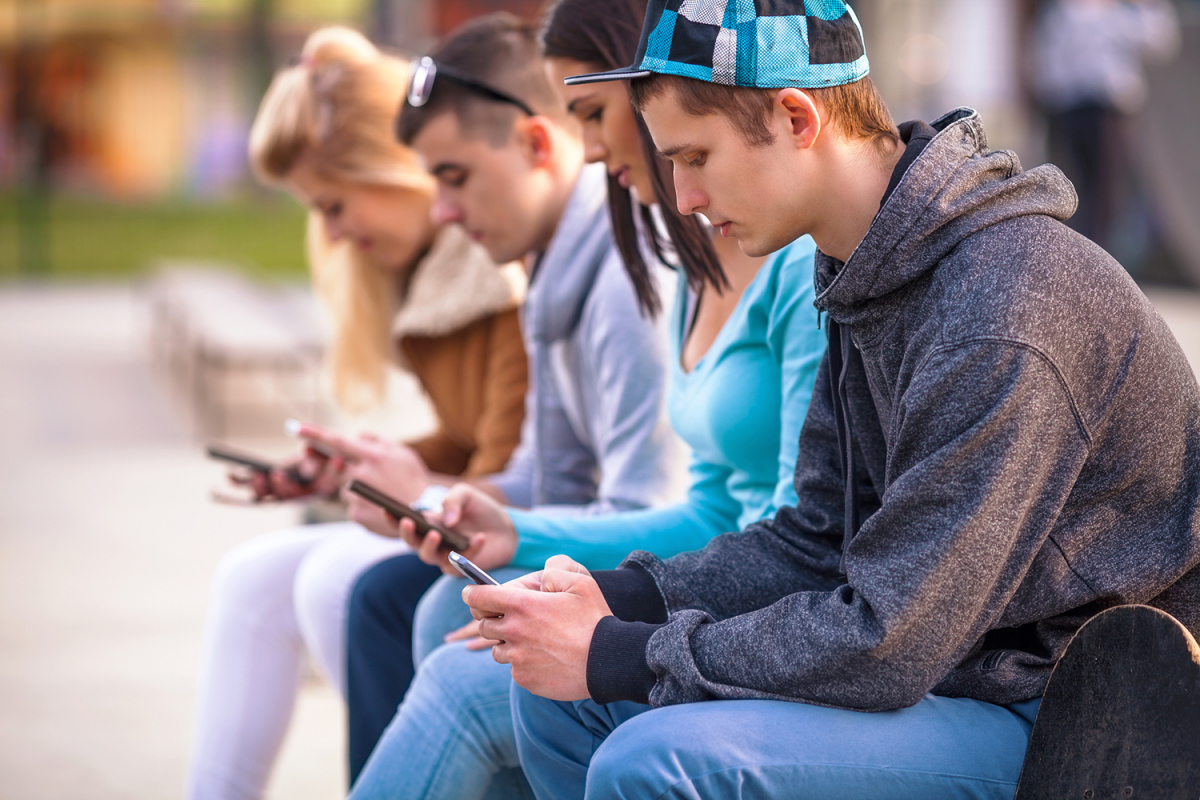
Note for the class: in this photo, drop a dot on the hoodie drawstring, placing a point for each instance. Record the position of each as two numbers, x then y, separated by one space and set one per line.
840 345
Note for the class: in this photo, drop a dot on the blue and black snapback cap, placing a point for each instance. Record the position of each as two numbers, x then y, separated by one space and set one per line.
770 44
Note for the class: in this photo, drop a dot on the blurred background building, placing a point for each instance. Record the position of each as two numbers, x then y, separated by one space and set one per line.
146 103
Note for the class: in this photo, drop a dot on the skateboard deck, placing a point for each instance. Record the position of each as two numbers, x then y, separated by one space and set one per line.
1121 715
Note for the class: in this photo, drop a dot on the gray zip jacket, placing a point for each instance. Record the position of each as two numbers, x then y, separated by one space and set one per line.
595 438
1026 436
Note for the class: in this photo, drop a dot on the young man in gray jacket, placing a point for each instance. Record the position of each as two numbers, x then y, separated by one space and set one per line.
1008 442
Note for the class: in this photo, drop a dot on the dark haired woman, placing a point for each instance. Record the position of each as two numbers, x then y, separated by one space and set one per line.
745 348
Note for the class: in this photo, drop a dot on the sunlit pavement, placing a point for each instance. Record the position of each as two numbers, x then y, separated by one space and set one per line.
107 545
108 542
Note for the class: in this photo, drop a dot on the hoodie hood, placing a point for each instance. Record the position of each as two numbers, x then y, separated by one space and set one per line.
954 189
567 270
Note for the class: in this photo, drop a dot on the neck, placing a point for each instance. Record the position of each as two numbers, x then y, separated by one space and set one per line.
564 172
855 179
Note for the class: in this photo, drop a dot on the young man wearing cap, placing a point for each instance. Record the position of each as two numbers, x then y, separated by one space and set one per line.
1007 444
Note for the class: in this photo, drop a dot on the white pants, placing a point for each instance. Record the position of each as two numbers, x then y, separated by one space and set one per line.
274 598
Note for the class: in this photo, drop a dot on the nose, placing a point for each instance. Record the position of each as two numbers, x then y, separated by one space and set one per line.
334 228
594 150
688 198
445 210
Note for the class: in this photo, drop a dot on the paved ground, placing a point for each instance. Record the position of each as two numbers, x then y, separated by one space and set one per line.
108 542
107 545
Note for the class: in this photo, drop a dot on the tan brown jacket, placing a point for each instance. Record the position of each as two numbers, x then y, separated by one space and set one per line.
458 332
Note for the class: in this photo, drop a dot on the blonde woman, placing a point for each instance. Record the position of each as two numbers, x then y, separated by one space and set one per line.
399 291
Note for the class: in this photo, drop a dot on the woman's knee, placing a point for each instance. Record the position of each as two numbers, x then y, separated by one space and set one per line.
328 573
260 572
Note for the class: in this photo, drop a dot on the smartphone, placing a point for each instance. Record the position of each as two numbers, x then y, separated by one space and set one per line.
452 539
223 453
464 565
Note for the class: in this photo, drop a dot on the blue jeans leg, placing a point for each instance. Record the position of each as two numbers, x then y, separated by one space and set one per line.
556 740
379 656
452 737
939 748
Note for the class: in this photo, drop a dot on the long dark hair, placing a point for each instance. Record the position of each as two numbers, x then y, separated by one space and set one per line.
606 34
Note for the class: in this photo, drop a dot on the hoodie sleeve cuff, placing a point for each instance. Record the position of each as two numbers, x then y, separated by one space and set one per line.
632 594
616 665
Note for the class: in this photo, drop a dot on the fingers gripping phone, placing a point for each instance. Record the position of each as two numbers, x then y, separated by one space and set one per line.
292 428
452 539
464 565
259 465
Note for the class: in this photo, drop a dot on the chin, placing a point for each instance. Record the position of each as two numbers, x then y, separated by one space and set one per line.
754 247
501 252
763 244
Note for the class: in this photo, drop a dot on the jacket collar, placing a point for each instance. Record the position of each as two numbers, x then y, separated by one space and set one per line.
454 285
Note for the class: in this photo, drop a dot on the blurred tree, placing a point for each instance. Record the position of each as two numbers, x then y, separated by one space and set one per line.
33 146
261 53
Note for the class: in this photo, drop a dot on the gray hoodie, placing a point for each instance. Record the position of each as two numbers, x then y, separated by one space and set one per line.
1026 435
595 437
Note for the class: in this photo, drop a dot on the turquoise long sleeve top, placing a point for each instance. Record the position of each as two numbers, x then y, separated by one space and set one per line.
740 409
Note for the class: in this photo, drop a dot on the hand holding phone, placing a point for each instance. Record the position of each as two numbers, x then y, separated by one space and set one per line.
451 538
294 428
254 463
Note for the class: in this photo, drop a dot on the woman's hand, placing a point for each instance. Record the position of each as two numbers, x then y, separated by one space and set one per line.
307 474
390 467
470 632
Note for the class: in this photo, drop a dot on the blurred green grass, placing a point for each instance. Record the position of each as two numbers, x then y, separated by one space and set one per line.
93 239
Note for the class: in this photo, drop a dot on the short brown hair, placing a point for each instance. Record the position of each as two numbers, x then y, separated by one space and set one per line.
855 109
501 51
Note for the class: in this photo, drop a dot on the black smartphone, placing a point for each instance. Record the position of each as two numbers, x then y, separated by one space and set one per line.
224 453
464 565
220 451
452 539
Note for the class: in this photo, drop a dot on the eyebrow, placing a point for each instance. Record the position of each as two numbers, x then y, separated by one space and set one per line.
571 105
674 151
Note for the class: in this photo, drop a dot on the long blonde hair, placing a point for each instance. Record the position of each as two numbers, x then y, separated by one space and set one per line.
336 106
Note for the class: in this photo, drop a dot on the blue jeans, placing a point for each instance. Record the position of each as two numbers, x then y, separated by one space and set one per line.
453 734
940 748
379 648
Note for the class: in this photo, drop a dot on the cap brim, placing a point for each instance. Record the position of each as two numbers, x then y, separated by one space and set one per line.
622 74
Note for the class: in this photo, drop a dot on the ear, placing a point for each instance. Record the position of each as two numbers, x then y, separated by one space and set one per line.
537 140
801 116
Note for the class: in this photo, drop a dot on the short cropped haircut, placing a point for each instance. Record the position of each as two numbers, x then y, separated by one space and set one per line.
501 51
856 109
